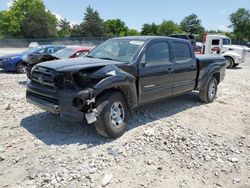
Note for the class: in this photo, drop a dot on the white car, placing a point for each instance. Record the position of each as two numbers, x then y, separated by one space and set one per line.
33 45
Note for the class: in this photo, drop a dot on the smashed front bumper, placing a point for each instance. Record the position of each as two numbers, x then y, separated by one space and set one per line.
70 105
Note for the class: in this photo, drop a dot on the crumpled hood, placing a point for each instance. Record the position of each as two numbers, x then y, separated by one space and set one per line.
19 55
77 64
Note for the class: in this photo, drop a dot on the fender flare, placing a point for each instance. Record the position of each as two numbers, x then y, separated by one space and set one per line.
207 76
111 77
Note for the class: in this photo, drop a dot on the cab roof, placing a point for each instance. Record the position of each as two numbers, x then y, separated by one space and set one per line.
148 38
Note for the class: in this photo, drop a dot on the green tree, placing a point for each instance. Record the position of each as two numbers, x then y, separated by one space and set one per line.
9 24
231 35
76 31
150 29
116 27
191 24
65 29
14 22
241 24
133 32
93 25
39 24
168 27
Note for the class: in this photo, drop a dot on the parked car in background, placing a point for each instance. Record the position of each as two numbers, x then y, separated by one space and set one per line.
67 52
191 38
33 45
17 62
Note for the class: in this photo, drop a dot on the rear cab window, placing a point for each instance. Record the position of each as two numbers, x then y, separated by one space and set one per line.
182 52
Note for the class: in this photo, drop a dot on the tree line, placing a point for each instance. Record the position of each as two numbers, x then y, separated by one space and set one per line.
31 19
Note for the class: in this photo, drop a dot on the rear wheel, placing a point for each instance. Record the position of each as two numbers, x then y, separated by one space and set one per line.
21 67
236 64
209 93
112 116
230 62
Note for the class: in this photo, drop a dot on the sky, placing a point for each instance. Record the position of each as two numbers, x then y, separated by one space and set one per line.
214 14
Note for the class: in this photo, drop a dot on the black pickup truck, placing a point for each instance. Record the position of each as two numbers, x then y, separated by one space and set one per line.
119 75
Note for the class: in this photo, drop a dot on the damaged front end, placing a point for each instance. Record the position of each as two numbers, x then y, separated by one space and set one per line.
72 95
34 60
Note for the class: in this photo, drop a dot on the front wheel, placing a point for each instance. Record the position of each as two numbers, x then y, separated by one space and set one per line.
112 119
21 68
209 93
230 62
236 64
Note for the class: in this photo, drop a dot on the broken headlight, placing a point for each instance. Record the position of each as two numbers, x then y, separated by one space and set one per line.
81 80
68 81
64 81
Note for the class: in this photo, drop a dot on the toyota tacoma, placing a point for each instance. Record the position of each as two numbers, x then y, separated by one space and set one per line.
119 75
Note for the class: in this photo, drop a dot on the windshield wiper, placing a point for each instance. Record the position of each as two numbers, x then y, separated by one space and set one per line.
107 58
89 56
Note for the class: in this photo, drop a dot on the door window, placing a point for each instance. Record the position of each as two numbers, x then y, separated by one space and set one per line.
216 42
226 41
41 51
157 53
182 52
50 50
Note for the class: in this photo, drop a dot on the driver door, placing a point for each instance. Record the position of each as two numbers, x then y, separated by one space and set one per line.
156 71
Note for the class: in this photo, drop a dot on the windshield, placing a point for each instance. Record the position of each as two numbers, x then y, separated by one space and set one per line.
33 50
124 50
226 42
64 53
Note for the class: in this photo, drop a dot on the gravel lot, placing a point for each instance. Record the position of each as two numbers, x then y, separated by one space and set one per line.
178 142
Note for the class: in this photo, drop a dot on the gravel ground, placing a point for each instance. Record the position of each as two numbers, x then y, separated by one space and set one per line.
178 142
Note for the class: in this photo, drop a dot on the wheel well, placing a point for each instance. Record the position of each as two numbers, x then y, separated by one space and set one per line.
124 90
230 58
19 62
217 76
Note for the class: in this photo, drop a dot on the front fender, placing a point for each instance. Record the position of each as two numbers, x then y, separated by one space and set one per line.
231 54
111 77
10 65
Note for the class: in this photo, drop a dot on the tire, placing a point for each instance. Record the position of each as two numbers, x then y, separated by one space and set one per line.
28 72
230 62
209 93
109 125
21 68
235 65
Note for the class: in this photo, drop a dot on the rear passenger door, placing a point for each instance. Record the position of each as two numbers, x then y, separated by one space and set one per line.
185 68
155 72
